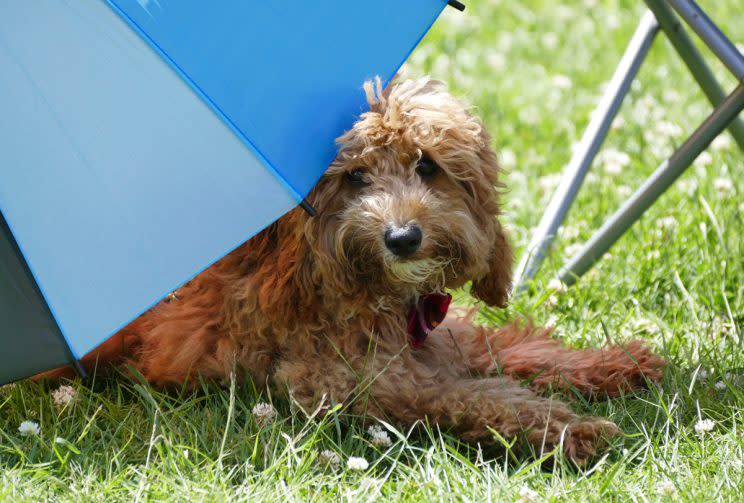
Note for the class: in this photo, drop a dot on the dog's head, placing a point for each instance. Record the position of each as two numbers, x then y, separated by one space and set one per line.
410 204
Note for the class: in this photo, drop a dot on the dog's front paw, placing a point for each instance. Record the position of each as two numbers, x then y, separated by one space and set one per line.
586 436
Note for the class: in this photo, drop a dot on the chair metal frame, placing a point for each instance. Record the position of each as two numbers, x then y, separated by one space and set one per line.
659 16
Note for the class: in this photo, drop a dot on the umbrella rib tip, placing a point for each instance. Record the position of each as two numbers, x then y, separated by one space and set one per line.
308 208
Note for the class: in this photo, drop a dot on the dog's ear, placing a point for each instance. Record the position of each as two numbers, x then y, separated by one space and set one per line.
493 288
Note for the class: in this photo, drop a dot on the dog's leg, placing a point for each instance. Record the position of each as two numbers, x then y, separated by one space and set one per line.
475 406
526 352
405 388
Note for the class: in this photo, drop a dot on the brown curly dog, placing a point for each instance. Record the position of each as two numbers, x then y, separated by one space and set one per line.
340 305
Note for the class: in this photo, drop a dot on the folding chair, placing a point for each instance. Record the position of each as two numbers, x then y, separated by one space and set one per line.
659 16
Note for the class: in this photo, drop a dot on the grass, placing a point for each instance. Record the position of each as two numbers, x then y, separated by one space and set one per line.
534 70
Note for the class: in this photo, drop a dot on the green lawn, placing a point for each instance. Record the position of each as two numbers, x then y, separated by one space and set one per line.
534 69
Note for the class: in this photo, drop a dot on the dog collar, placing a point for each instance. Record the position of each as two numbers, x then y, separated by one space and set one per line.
425 315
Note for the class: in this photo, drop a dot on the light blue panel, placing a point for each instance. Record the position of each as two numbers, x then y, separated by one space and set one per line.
117 180
286 73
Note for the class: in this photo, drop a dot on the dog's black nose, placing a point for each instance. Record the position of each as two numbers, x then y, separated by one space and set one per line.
403 241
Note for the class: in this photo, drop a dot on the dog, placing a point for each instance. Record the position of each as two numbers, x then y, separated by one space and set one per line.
350 306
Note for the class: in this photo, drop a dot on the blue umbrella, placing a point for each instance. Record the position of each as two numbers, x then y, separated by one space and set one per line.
142 140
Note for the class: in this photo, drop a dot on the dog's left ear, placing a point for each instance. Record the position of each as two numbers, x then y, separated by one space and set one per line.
494 287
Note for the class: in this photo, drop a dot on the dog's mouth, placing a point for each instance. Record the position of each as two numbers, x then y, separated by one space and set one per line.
430 271
436 263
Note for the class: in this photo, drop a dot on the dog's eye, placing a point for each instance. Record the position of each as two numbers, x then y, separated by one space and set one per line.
356 177
426 167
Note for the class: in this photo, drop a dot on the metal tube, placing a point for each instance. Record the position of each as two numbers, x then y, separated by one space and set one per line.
594 135
681 42
662 178
711 35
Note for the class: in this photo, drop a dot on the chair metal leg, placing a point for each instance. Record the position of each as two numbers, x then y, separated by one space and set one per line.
662 178
587 148
711 35
675 32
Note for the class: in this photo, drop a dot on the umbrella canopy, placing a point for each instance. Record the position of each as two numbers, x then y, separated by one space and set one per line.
142 140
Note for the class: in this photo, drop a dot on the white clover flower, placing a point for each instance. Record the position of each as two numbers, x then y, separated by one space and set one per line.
380 437
329 458
495 59
688 186
264 413
572 249
549 40
557 286
704 425
618 122
28 428
668 129
548 183
624 191
719 327
357 464
667 488
612 168
666 223
723 186
653 255
508 158
374 429
562 82
614 161
703 160
670 96
64 395
527 495
645 325
7 388
570 232
720 385
722 142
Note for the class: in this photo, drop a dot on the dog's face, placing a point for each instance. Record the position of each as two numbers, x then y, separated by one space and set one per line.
410 204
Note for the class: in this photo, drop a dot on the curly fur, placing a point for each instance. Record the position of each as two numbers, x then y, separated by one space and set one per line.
317 306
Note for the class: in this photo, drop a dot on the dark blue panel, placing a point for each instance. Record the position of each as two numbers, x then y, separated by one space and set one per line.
30 341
